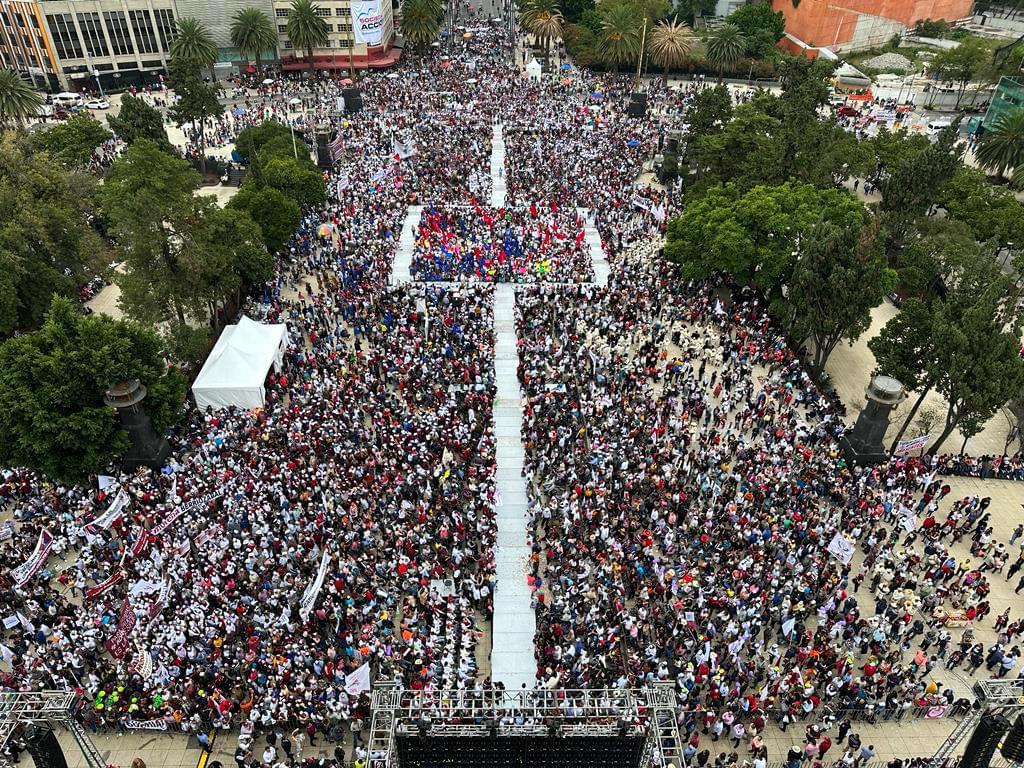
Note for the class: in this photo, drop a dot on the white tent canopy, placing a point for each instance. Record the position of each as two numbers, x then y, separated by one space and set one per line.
533 70
234 372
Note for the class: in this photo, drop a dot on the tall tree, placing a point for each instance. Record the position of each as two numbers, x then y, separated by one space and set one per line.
193 42
420 23
198 101
184 257
138 120
913 186
839 277
18 102
1002 147
752 236
307 30
72 142
277 215
747 151
725 47
960 64
761 26
992 212
620 36
252 32
149 197
709 112
544 20
47 245
670 44
979 367
52 383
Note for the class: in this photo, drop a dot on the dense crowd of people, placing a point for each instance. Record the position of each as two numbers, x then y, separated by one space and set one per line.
692 514
530 244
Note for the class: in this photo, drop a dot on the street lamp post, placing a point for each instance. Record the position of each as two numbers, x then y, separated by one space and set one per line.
96 74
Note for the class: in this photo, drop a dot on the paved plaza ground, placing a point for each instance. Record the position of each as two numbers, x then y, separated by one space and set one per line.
850 369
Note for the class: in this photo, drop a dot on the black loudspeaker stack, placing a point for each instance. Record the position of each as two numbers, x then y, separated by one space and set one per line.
637 105
981 747
353 99
42 744
323 152
1013 745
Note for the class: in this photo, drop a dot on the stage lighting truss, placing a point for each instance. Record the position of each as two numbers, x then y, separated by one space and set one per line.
1005 697
50 709
568 713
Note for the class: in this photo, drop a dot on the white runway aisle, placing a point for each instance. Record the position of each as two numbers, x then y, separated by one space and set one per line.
498 167
512 660
597 255
406 243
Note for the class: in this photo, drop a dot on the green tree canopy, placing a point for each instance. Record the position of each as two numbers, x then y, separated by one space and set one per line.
839 277
760 26
277 215
47 245
620 35
746 152
137 120
709 112
52 383
72 142
252 139
753 236
301 182
725 47
1002 147
420 23
992 212
184 257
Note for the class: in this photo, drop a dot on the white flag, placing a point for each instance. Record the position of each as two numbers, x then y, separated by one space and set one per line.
6 654
359 681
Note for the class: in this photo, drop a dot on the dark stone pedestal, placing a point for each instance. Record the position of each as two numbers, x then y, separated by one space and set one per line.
148 449
864 443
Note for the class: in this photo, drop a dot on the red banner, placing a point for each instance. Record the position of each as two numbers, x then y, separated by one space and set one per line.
103 586
117 643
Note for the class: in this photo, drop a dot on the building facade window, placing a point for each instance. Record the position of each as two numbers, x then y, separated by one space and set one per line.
165 26
145 37
281 13
287 45
321 11
282 28
117 29
95 44
65 37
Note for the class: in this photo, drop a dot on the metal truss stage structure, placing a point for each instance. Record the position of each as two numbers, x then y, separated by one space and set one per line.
46 709
647 713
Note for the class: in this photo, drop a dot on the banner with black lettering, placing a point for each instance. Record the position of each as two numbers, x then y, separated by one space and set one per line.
181 509
24 572
107 518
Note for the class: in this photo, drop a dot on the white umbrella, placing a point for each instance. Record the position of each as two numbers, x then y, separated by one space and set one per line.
393 76
269 81
294 101
472 80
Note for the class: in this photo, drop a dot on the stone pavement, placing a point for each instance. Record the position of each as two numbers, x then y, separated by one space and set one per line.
498 167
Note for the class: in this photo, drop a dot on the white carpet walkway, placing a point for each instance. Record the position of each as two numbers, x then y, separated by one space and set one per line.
512 660
406 243
498 167
593 241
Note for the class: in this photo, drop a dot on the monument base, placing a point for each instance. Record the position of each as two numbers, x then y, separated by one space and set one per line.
153 455
862 455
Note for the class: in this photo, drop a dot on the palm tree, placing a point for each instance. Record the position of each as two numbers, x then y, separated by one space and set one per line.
543 19
307 29
620 35
18 101
421 22
253 32
726 46
1002 146
671 43
194 42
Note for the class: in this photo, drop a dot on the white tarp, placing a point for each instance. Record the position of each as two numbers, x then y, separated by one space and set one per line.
533 70
368 21
234 372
